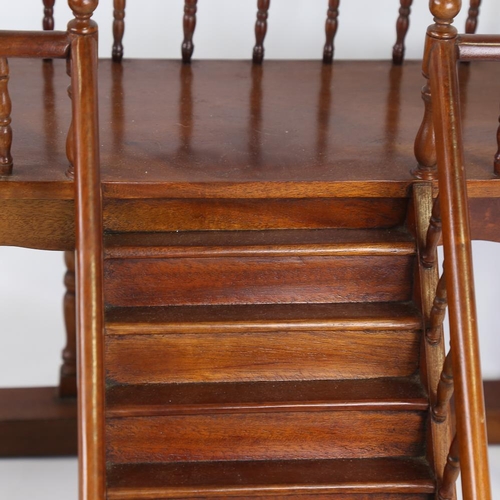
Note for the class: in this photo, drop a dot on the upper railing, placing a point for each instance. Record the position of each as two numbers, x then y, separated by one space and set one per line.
78 45
440 143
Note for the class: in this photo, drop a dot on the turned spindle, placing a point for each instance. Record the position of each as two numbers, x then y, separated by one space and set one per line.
471 23
438 313
70 140
331 30
48 14
425 142
496 161
260 30
434 233
189 25
444 392
451 472
5 119
402 25
67 381
118 29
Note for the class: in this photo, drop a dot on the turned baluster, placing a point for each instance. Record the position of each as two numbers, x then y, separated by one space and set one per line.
451 472
471 23
425 142
331 30
402 25
189 25
444 391
438 312
118 29
5 120
67 382
496 162
433 236
260 30
48 14
70 141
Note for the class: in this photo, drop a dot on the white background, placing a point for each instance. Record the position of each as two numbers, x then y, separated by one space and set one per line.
31 281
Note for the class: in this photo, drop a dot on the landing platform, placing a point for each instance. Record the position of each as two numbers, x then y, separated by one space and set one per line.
288 129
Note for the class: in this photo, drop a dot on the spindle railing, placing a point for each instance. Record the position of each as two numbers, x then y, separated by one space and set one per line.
462 368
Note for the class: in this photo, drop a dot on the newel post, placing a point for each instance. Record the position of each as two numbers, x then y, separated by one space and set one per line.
88 209
446 120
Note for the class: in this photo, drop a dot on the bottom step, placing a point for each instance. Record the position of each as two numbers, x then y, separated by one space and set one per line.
360 479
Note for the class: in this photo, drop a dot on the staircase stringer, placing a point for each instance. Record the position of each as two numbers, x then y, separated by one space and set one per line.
432 354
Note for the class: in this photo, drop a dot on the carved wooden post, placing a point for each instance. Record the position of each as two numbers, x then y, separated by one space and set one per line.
451 472
118 29
444 391
189 25
471 23
402 25
5 119
438 312
331 30
70 144
67 383
260 30
433 235
48 14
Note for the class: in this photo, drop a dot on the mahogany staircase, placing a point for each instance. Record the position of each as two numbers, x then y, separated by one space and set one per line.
272 327
252 363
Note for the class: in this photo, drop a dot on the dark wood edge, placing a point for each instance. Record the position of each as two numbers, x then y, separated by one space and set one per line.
36 422
43 44
478 47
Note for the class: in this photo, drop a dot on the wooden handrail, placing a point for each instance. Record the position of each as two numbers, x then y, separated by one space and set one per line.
44 44
469 397
89 250
478 47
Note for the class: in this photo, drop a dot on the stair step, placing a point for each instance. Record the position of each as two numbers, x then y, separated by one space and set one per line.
211 398
263 317
381 479
261 342
246 267
185 244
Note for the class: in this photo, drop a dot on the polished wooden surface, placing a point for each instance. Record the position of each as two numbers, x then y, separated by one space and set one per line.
323 156
469 400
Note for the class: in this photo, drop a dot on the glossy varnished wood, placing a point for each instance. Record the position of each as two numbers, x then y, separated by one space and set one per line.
302 435
283 480
136 154
227 397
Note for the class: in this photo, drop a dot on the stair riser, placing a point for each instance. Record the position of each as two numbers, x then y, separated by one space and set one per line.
265 436
223 357
226 214
254 280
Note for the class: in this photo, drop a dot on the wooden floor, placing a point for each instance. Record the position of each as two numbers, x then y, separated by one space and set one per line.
227 129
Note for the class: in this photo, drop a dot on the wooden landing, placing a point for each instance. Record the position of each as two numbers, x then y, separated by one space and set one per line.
287 129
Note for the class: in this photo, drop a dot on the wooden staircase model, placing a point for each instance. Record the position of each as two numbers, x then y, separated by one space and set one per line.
274 338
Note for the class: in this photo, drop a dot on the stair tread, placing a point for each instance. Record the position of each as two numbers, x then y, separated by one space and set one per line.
309 395
252 317
276 242
184 480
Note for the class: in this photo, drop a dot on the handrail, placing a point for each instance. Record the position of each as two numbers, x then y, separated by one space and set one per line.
478 47
469 399
89 250
47 45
